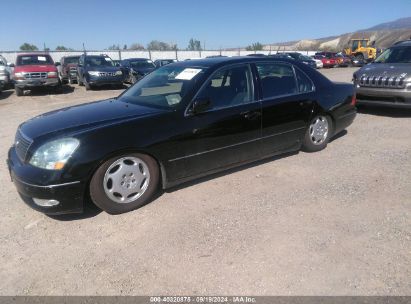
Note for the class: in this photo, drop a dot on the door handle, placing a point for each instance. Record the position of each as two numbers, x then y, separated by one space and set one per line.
251 115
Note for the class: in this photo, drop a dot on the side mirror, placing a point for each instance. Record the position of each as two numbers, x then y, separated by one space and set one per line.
57 64
118 65
201 105
11 65
79 64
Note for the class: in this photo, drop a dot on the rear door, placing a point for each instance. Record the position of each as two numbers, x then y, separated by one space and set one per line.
287 102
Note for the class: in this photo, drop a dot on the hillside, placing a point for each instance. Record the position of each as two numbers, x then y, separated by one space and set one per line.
384 35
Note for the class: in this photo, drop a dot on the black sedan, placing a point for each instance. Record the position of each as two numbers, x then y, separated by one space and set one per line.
182 121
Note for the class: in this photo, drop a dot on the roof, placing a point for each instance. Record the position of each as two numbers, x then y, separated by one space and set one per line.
403 43
211 62
33 54
136 59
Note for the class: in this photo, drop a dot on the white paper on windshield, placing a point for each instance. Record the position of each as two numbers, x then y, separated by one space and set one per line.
173 99
188 74
41 58
107 59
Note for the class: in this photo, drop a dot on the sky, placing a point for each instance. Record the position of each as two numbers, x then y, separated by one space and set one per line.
217 23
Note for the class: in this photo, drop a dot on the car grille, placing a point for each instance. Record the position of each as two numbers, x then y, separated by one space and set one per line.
107 74
377 81
22 144
35 75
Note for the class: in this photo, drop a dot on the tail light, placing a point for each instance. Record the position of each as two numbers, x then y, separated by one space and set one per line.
354 100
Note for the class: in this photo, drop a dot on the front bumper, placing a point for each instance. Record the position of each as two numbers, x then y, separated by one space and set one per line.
34 83
398 98
105 80
69 194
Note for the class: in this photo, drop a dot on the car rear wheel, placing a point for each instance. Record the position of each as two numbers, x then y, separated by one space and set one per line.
318 134
124 183
19 91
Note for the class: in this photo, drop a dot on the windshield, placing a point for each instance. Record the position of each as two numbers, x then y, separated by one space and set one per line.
164 88
34 60
71 60
303 57
98 61
395 55
142 64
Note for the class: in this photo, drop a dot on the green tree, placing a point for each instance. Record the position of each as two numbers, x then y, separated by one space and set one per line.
62 48
194 45
156 45
257 46
28 47
136 47
114 47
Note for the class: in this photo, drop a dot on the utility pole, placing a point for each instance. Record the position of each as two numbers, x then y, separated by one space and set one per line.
84 49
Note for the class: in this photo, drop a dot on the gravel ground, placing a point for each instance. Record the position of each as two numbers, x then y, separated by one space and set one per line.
335 222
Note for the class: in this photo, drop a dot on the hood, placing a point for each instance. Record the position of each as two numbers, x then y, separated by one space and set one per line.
35 68
143 71
386 69
77 118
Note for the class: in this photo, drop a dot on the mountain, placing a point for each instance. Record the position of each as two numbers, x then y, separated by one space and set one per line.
403 23
384 35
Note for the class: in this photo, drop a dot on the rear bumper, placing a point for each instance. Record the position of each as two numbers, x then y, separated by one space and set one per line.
34 83
345 120
68 194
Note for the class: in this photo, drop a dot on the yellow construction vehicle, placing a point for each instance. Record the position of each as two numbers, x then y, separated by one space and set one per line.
362 49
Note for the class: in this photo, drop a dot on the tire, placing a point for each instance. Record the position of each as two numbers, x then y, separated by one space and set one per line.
103 188
79 81
359 57
86 84
19 91
318 134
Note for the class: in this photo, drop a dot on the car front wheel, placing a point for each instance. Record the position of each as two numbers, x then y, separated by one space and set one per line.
318 134
124 183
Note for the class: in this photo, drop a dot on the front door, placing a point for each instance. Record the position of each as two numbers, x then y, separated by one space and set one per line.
228 132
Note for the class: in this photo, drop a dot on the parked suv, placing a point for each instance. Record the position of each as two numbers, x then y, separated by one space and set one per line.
68 69
35 70
386 81
137 68
98 70
5 79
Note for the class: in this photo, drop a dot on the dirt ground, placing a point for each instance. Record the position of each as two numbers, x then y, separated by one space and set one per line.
335 222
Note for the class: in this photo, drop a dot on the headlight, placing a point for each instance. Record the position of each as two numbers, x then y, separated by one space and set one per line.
54 154
118 73
52 74
94 73
18 76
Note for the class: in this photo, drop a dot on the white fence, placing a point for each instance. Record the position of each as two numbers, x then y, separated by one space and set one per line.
153 55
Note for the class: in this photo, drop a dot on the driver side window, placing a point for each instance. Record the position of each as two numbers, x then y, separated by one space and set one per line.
229 87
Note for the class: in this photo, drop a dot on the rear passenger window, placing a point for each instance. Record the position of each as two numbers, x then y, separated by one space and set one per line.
304 83
276 79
